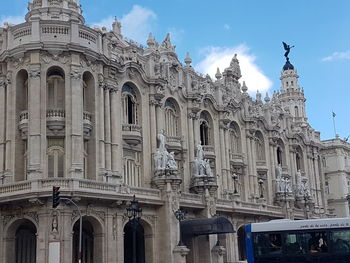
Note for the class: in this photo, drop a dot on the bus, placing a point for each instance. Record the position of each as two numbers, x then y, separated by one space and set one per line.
299 241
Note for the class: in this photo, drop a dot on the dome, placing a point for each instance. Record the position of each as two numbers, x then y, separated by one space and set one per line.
288 65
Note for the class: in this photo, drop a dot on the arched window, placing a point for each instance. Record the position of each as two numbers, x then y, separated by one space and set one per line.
296 111
260 147
55 158
55 89
132 165
171 115
129 105
234 138
204 127
279 155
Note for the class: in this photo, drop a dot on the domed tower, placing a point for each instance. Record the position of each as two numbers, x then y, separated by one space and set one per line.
63 10
292 96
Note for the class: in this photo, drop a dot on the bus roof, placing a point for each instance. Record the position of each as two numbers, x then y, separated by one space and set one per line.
310 224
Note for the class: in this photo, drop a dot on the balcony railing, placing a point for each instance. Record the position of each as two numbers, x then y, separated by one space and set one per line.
132 133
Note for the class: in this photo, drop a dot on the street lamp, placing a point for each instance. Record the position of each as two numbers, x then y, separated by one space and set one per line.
134 213
261 182
180 216
235 178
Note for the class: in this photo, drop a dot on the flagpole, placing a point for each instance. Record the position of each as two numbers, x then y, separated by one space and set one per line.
335 132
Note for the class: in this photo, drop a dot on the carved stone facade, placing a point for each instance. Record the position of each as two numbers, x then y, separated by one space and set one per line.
81 108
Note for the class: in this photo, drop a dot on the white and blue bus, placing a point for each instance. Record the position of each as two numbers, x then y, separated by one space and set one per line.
299 241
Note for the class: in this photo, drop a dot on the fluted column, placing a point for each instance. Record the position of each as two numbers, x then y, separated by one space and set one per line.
107 110
272 184
224 176
196 130
191 144
153 124
254 170
159 117
115 130
34 125
10 128
76 114
250 164
101 131
2 123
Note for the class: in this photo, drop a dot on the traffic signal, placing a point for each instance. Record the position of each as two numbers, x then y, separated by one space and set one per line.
55 196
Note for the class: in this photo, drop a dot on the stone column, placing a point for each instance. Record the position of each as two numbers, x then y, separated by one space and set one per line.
196 133
10 128
76 114
2 124
254 171
272 186
159 117
217 254
65 226
250 165
111 240
191 144
153 124
180 253
42 240
101 131
108 153
224 175
119 233
34 132
115 134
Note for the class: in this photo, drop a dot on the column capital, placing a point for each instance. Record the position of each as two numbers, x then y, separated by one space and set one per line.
193 116
34 71
76 72
3 81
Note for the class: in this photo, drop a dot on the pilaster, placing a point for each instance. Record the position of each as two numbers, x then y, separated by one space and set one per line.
34 131
76 116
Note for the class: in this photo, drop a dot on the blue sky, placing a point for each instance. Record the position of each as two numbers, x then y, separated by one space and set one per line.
212 31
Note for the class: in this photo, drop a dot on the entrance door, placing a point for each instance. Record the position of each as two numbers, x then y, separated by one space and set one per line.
134 242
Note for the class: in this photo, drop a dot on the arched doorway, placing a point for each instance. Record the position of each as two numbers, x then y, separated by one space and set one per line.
92 240
134 242
21 242
241 243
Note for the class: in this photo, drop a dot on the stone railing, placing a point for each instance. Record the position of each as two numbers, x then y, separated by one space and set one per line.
56 113
173 139
26 31
132 127
57 30
234 156
40 187
208 148
55 2
87 36
23 116
37 3
87 116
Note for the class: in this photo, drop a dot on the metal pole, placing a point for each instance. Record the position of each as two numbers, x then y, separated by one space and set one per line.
134 241
80 227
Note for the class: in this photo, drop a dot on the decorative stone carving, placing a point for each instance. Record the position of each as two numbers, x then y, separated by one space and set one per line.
303 189
76 73
163 159
34 73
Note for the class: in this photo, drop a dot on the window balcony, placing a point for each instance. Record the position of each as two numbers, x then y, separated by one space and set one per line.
55 122
173 144
131 134
209 151
23 124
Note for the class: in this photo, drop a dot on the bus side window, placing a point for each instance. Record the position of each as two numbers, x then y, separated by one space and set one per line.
340 241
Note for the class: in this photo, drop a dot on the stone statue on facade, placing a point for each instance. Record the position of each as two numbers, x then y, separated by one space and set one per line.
201 165
163 160
279 181
303 189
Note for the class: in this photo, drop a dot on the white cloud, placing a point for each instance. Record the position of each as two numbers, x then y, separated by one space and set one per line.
136 24
227 27
337 56
13 20
176 35
220 57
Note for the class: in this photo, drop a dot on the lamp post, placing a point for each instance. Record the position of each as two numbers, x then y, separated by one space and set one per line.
180 216
261 182
134 213
235 178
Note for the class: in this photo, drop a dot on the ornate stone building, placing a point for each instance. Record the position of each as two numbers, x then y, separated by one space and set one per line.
105 119
336 163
